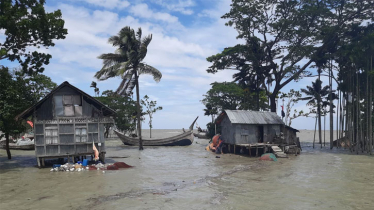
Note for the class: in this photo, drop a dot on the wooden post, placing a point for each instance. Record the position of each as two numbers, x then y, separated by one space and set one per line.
256 151
38 160
249 150
234 149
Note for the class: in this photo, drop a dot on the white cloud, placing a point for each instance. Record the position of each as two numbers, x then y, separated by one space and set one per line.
142 10
181 6
109 4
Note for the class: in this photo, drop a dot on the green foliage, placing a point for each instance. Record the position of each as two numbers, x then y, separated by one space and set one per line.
229 95
15 97
150 108
283 38
315 93
125 108
40 85
211 129
210 111
27 24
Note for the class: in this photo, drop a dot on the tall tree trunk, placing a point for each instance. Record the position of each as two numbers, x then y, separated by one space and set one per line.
273 105
315 129
319 111
324 130
319 124
337 117
7 146
353 113
370 109
138 114
331 109
367 109
258 95
150 127
357 112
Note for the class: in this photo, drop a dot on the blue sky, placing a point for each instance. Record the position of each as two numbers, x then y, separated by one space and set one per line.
184 33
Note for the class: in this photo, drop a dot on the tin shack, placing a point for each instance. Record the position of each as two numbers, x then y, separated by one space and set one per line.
249 127
290 135
66 124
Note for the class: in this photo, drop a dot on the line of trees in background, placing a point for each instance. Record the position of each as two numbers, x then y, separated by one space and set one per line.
285 40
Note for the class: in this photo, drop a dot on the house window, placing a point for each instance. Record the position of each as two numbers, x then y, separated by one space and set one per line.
68 105
81 135
51 135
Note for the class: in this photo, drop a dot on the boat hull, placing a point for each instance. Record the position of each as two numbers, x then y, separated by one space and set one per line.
201 135
183 139
13 146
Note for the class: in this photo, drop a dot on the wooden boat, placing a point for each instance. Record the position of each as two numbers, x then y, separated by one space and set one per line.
14 146
183 139
201 135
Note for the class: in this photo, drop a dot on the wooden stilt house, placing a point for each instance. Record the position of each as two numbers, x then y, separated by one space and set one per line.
67 122
249 127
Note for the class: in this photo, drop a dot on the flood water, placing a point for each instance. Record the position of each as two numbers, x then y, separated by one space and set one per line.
192 178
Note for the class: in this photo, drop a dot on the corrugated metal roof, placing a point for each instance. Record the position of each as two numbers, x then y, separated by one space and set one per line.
253 117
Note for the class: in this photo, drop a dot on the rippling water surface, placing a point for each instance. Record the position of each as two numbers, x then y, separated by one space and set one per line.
191 178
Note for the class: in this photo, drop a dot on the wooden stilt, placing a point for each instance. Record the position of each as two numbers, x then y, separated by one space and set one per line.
38 161
256 151
43 164
234 149
249 151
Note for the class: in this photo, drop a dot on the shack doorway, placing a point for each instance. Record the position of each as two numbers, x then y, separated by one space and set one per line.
261 134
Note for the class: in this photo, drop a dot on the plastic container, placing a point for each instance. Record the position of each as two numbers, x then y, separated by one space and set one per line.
85 162
79 162
56 165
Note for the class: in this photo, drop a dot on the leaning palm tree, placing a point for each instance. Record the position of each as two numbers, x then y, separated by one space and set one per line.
315 95
127 62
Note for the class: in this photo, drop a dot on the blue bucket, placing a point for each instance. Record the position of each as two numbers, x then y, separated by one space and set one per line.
85 162
56 165
79 162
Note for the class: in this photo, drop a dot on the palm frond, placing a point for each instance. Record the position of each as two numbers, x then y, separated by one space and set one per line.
114 40
147 69
146 40
139 34
110 59
108 72
142 53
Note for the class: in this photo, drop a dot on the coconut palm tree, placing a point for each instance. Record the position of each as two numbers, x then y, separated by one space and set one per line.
315 95
96 89
127 62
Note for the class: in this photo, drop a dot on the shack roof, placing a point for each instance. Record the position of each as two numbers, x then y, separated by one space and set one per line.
250 117
29 111
291 128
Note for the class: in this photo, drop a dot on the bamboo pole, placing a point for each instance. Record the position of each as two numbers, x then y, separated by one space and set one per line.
367 110
324 130
357 111
337 118
331 109
315 128
370 109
